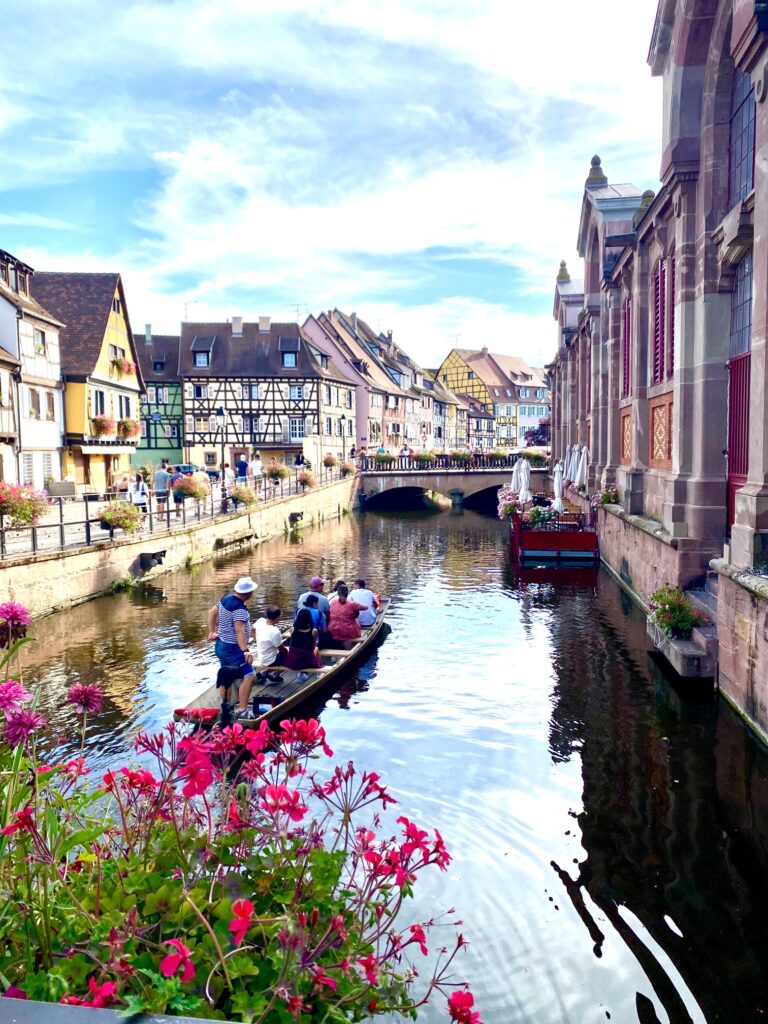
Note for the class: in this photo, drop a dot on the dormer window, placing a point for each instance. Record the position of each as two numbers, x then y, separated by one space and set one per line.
202 358
289 359
324 362
4 273
158 366
22 283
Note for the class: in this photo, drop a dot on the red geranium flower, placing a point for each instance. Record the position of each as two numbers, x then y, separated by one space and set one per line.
23 821
182 958
369 966
101 995
460 1008
282 799
242 921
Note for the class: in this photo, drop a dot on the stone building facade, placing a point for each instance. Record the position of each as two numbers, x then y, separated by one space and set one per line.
662 367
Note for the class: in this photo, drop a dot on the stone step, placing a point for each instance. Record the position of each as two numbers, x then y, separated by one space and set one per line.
706 638
704 602
711 586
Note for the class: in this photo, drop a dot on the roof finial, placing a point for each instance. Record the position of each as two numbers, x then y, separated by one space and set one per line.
563 274
597 176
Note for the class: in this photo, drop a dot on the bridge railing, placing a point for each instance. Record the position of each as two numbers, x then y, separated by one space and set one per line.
464 463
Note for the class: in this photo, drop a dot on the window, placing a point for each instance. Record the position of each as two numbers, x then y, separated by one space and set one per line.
34 404
116 353
144 428
39 342
163 396
202 358
27 468
158 366
471 375
209 458
22 279
375 401
174 430
124 405
348 399
659 301
200 391
626 347
151 395
99 401
324 362
349 427
289 359
50 406
524 392
296 392
741 309
202 424
741 139
539 393
296 428
116 305
328 426
47 465
4 273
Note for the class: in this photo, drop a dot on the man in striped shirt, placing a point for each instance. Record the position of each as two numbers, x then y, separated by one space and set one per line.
229 624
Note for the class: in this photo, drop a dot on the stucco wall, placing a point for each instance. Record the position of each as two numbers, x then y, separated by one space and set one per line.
48 582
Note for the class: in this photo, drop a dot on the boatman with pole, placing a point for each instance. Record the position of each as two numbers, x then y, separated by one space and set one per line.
229 625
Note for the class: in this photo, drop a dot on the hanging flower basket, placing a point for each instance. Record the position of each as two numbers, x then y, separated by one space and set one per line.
347 469
121 367
277 473
306 479
329 461
21 505
121 515
103 426
128 428
241 494
192 487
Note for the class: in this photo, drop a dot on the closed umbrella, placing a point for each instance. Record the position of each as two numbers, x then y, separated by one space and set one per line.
581 472
525 480
574 463
557 504
567 462
515 485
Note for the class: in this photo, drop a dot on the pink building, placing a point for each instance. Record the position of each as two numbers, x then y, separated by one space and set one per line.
661 369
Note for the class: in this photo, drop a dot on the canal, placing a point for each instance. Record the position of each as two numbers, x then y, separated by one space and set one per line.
609 833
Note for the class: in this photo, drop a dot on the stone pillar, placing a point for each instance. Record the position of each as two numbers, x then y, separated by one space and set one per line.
749 535
612 386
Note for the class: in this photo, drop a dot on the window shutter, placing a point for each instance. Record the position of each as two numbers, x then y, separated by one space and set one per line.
151 395
626 348
189 424
237 423
671 316
659 281
309 425
188 391
263 424
285 428
212 424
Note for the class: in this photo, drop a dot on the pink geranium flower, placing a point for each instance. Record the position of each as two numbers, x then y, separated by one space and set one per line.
279 799
20 725
85 697
181 959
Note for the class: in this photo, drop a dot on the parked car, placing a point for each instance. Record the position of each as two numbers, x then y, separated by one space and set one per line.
188 469
213 474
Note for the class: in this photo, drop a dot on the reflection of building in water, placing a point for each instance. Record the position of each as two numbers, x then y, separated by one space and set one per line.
673 827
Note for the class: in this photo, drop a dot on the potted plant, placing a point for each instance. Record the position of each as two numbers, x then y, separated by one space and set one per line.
347 469
538 517
674 614
461 457
608 496
329 461
425 458
509 506
277 473
128 428
383 459
120 515
21 504
103 426
192 487
306 479
241 494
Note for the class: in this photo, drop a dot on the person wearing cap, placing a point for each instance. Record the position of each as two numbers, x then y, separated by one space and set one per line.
229 625
315 587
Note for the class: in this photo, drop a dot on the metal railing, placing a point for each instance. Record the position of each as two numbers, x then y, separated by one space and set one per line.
64 527
467 464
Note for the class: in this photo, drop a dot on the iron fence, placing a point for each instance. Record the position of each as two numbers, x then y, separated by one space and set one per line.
425 464
64 527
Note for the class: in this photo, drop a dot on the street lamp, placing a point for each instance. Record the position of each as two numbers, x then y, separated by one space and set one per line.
343 422
220 421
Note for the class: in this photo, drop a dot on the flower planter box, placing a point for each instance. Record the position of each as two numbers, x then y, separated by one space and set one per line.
686 657
28 1011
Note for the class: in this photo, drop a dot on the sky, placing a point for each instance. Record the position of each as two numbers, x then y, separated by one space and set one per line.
419 162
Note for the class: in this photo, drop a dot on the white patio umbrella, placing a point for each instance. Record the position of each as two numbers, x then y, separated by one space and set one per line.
525 480
567 462
557 504
580 480
515 484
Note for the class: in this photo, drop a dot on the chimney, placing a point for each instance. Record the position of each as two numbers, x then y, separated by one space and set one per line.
147 334
265 324
484 350
237 327
354 324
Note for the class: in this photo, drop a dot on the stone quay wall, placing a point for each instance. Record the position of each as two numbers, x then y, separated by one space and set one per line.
51 581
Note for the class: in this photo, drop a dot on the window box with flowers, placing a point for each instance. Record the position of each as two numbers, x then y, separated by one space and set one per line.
121 367
128 429
103 426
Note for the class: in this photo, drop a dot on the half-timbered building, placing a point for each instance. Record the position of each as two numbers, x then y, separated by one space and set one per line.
260 386
162 427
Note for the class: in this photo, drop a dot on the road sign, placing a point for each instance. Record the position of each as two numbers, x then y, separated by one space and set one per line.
156 417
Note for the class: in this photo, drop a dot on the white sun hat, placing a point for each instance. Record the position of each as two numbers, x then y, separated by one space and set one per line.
245 585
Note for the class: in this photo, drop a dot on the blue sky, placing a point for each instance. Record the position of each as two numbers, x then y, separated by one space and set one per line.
420 161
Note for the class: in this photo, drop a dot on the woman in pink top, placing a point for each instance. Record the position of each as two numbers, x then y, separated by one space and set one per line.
342 623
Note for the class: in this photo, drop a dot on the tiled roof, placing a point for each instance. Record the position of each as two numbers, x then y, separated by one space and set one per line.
376 373
500 371
163 348
82 302
255 354
28 303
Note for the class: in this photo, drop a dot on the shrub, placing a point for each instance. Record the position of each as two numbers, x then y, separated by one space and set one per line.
499 455
539 516
21 505
277 473
228 876
243 495
329 461
121 515
306 479
674 614
196 487
608 496
128 428
347 469
103 426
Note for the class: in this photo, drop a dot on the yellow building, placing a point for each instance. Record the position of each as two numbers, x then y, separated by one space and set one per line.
102 380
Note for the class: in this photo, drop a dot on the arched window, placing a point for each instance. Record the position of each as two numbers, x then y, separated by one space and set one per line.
741 140
741 308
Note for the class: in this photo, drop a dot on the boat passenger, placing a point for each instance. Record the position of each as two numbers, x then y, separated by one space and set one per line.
316 586
364 596
342 622
318 619
303 651
229 626
335 592
270 649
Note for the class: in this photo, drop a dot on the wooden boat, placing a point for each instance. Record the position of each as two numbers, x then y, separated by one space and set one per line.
284 697
566 539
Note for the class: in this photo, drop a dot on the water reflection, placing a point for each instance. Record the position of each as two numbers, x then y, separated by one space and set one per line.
609 830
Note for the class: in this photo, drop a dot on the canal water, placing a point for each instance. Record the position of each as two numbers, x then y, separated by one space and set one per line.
609 832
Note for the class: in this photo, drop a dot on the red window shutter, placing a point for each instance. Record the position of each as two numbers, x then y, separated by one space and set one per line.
626 349
659 282
671 314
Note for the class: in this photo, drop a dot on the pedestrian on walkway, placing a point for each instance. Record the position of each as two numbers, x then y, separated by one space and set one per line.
241 468
139 495
161 486
255 471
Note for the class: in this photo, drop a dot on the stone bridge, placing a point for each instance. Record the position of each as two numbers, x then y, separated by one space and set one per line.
456 484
